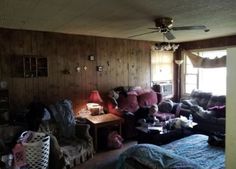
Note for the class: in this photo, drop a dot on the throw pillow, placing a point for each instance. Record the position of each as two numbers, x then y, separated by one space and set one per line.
165 106
128 103
147 99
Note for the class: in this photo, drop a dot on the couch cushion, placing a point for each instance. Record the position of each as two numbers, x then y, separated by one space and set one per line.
166 106
140 91
201 98
164 116
147 99
77 152
216 101
128 103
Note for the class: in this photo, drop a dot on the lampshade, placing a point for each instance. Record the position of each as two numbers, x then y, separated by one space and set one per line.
95 97
179 62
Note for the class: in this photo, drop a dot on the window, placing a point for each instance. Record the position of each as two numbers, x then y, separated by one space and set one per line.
161 66
205 79
29 66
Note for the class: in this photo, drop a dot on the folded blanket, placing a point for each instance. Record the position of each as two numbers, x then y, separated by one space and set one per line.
155 157
64 116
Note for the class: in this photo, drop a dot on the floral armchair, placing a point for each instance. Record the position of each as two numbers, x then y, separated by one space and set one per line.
71 137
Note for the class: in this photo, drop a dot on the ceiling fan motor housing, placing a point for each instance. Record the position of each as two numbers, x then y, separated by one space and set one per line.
164 23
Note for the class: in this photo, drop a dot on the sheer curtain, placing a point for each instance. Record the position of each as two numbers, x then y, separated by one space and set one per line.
210 59
161 66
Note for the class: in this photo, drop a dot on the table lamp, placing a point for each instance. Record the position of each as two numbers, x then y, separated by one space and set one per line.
94 103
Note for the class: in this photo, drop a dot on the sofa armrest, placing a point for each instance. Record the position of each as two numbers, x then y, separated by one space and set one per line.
129 114
82 131
112 106
159 97
112 102
187 103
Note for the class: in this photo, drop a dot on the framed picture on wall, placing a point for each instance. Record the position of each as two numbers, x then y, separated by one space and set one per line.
99 68
91 57
29 66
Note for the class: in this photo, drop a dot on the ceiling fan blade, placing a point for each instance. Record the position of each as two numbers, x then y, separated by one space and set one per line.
143 34
169 35
157 28
200 27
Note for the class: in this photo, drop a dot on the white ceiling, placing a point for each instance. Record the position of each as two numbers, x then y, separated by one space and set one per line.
120 18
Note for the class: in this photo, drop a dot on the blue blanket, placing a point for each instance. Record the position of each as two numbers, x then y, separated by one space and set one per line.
197 149
192 152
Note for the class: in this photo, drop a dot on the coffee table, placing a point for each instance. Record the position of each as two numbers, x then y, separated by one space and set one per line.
156 137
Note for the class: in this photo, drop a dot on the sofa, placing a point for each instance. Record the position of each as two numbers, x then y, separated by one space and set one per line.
132 104
208 111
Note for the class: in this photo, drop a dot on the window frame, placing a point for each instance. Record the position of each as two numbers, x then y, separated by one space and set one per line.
184 70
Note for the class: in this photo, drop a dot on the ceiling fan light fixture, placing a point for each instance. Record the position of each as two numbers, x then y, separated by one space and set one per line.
175 46
164 46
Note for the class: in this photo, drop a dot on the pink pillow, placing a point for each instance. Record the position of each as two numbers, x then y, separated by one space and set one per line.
128 103
142 91
147 99
133 92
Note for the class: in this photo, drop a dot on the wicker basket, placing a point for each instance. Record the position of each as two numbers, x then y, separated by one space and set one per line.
37 150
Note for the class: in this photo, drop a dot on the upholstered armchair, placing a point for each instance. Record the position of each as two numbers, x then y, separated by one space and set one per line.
80 148
72 137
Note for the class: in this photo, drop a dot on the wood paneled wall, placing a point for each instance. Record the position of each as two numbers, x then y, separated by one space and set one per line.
125 62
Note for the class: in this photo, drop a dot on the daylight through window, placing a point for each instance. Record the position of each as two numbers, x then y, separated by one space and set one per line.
205 79
162 66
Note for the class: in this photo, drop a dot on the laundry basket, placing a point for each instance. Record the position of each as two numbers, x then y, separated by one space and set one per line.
36 149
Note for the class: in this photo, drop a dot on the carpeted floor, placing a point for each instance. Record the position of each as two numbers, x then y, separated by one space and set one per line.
106 159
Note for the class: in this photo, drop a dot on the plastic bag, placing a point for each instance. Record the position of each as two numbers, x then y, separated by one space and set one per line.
19 155
114 140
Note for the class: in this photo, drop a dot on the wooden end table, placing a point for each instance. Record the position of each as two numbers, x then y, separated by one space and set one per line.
104 120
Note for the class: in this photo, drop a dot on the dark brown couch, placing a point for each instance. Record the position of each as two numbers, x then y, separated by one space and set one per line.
208 111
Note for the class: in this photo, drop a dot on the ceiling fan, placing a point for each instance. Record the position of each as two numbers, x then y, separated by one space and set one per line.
165 26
